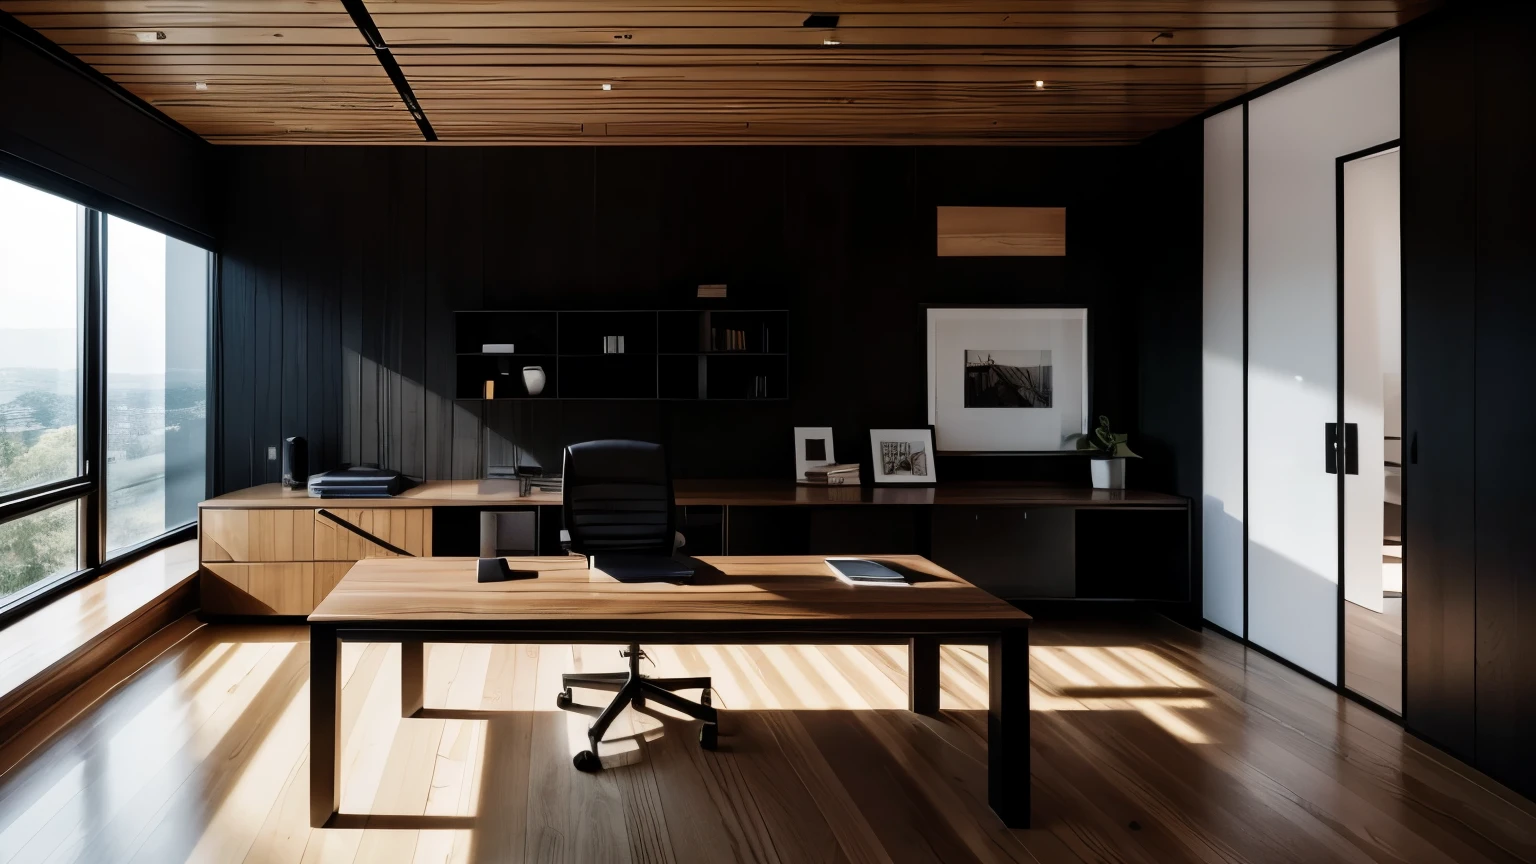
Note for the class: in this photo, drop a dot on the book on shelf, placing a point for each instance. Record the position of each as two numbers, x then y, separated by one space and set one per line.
712 292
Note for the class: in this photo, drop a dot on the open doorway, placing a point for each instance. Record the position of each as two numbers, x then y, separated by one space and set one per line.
1371 486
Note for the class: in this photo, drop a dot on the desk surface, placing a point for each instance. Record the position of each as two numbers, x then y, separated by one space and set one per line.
757 593
732 493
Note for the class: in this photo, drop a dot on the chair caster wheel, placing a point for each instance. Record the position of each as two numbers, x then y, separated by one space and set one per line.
587 762
709 736
638 702
563 699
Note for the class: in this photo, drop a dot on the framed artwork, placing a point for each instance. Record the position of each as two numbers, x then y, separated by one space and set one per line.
813 448
1007 379
903 456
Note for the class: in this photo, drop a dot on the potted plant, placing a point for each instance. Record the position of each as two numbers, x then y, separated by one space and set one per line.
1109 455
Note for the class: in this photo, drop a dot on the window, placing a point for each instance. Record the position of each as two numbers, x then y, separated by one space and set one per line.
103 389
157 396
37 547
42 271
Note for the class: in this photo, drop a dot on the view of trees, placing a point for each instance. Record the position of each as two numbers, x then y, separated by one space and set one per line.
43 544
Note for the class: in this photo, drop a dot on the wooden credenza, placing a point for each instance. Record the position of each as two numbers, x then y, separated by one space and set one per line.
273 551
284 560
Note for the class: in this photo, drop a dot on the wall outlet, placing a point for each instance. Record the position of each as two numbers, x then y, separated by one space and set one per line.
271 454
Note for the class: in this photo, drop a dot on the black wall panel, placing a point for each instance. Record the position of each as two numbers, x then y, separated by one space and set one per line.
64 131
342 266
1439 220
1506 318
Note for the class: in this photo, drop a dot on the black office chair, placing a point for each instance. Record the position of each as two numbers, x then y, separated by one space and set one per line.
618 499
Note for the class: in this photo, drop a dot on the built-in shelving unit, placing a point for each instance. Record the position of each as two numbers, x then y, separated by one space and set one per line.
670 354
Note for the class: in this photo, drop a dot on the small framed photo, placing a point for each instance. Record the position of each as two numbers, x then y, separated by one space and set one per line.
903 456
813 449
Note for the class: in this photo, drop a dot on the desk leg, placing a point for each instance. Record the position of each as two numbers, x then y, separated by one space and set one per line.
324 724
923 675
413 676
1008 777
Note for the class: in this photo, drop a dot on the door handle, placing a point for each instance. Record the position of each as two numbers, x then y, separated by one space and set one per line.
1331 447
1351 448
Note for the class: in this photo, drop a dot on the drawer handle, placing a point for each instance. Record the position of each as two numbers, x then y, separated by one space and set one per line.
363 534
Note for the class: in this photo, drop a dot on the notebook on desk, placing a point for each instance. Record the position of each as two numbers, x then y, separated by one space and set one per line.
862 571
644 568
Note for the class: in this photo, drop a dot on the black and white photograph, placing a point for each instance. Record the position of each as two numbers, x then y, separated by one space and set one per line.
902 455
1007 379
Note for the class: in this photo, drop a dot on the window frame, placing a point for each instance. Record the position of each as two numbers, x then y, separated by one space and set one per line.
88 487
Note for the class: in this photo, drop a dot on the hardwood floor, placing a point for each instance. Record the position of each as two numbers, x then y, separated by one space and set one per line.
1373 653
1152 744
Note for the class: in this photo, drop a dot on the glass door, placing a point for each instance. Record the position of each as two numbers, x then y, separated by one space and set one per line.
1371 555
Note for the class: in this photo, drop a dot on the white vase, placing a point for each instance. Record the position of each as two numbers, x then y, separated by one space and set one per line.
533 378
1108 473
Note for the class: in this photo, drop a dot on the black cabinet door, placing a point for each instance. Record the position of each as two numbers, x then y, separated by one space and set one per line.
1439 241
1015 553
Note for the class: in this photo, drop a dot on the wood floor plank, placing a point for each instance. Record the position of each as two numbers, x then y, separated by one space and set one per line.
1150 744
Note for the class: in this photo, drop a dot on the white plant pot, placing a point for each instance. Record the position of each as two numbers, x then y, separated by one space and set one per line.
533 378
1108 473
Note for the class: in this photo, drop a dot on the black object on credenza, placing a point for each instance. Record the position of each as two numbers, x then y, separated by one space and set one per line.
672 354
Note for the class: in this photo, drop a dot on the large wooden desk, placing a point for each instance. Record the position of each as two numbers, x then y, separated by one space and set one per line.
273 551
767 600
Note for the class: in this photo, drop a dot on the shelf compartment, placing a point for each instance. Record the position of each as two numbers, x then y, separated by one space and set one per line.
473 370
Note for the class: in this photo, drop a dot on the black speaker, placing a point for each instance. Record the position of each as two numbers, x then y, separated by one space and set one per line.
295 463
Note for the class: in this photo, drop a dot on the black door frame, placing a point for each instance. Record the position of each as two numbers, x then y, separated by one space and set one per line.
1338 443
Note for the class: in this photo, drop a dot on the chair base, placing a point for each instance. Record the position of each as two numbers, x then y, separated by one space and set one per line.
633 689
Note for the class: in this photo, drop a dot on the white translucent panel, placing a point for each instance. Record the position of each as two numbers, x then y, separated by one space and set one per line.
1222 373
1295 136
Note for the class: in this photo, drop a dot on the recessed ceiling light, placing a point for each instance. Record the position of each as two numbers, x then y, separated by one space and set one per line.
202 85
150 35
607 86
830 42
1039 85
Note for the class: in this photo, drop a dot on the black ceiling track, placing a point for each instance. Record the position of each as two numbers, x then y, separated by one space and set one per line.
375 40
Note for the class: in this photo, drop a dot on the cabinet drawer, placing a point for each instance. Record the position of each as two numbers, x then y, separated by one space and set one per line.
258 589
257 535
407 528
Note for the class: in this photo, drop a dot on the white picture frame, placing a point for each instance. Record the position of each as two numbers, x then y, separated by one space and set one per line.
812 441
1017 414
903 456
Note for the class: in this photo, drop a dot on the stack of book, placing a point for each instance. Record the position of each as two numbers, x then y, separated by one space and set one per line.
832 475
727 340
712 292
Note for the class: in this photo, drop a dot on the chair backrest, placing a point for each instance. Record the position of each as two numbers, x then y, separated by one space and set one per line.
618 497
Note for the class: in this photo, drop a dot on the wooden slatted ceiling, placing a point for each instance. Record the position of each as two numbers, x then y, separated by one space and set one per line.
705 71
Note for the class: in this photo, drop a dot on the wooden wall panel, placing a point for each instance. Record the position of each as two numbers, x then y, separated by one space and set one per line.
1439 277
1002 231
337 316
740 71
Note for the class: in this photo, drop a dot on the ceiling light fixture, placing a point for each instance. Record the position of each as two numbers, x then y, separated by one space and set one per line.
830 42
1039 85
201 85
607 86
150 35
